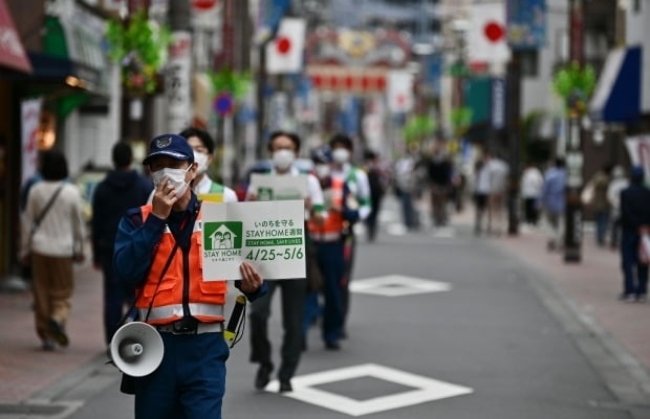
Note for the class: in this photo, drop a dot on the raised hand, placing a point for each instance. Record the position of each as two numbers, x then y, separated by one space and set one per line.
163 199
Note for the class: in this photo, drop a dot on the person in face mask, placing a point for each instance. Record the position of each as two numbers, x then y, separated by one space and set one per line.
203 146
283 148
159 243
356 181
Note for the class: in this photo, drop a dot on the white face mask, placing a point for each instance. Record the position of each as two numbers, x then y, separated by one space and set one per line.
283 159
341 155
201 159
322 170
176 178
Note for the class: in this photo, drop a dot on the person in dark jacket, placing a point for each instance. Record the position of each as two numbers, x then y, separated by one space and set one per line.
635 214
122 189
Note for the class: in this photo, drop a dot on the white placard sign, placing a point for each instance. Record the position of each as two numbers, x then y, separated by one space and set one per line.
279 187
269 235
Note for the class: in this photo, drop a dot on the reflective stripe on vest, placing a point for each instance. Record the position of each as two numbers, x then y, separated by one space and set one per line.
202 312
165 295
334 223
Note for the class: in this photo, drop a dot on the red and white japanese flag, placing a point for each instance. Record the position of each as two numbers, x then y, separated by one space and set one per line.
399 91
285 53
486 37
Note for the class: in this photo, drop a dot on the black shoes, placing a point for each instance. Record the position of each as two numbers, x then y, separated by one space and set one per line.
332 346
58 333
263 376
285 386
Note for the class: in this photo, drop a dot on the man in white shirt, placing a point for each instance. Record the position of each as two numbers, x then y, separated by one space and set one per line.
532 182
284 148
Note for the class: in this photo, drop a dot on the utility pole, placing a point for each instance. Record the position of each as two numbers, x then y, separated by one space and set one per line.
262 80
574 155
179 71
513 109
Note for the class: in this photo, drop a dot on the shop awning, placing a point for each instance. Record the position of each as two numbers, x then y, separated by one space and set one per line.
12 52
618 94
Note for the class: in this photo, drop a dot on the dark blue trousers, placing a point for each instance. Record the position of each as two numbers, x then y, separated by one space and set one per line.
332 264
190 381
635 274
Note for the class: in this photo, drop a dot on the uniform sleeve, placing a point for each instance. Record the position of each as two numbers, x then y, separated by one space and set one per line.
96 223
134 246
363 194
315 194
229 195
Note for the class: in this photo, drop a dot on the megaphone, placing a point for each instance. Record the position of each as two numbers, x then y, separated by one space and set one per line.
136 349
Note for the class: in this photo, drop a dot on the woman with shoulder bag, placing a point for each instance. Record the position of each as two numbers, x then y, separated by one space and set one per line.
51 240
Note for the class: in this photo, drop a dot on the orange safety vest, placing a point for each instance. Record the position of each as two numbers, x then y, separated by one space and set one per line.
205 298
334 224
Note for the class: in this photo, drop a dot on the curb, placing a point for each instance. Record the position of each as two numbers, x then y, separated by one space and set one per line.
625 377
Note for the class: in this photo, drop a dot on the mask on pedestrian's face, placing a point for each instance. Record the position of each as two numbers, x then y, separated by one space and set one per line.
322 170
341 155
175 177
283 159
201 159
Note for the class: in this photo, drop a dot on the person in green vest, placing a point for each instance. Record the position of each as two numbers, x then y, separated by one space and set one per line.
203 146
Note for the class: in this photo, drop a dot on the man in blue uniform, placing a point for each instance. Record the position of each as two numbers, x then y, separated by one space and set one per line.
158 252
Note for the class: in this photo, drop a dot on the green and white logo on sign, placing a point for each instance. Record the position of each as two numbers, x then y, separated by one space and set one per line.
225 235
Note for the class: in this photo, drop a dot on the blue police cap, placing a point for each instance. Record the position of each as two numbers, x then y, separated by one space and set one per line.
170 145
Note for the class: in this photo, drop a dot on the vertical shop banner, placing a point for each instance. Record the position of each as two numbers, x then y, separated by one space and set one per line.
269 235
498 117
284 55
526 22
400 91
177 88
30 116
486 37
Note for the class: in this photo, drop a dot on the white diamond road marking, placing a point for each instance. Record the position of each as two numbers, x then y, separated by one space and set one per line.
397 286
426 390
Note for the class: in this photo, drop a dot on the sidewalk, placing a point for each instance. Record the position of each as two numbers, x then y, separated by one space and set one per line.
593 284
26 370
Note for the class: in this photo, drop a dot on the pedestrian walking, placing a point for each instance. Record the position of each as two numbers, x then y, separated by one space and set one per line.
616 186
600 202
122 189
378 183
554 201
284 148
52 239
439 172
328 235
635 217
356 180
532 183
498 171
203 145
481 193
405 189
158 253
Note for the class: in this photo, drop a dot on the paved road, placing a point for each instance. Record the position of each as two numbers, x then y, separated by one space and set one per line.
481 343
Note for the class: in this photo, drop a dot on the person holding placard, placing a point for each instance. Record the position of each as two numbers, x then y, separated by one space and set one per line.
284 148
158 252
